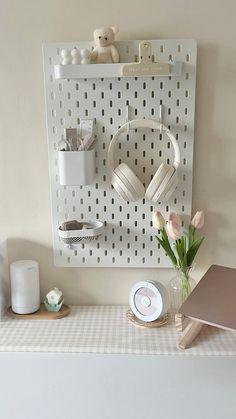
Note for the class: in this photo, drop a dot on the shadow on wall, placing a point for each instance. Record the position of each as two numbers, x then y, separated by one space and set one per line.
214 182
79 285
50 276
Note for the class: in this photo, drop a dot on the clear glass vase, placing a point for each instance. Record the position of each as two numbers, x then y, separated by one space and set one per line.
180 287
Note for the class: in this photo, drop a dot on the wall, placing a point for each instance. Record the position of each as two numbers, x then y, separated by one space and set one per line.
24 186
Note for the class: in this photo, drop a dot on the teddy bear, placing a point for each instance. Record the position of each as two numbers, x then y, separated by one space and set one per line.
104 52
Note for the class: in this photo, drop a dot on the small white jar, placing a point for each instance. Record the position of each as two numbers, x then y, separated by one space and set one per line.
25 290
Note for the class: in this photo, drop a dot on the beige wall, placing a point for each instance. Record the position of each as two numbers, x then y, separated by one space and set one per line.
24 186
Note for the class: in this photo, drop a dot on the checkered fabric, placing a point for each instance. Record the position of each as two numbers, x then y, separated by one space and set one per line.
105 329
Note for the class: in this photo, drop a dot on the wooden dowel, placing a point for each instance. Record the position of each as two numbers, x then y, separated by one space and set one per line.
181 322
190 335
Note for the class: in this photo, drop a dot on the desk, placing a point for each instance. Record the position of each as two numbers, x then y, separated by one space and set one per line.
95 365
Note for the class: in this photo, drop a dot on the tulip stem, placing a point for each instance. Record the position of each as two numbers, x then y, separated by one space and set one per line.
185 283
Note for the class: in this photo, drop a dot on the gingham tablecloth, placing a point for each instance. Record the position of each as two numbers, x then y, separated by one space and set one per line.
105 329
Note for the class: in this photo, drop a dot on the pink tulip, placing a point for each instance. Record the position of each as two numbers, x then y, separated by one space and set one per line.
175 218
174 230
158 220
198 220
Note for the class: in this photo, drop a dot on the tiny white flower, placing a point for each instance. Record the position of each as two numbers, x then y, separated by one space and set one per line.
54 296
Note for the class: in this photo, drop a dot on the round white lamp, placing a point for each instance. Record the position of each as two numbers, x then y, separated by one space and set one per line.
25 291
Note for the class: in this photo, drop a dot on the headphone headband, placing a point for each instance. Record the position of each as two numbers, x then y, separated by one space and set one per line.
143 123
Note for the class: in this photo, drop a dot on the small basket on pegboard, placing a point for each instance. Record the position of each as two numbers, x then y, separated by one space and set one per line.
75 232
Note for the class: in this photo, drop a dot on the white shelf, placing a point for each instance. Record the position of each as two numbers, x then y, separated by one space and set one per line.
94 71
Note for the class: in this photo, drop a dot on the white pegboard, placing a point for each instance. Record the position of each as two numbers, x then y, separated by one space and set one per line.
128 240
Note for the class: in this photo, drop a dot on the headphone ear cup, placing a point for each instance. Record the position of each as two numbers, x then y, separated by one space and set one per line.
171 187
163 183
127 184
156 181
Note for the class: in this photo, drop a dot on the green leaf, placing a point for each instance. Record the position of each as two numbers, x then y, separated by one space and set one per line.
166 246
190 236
191 253
179 250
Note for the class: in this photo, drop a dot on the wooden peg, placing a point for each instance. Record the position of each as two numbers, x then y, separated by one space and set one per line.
190 335
181 322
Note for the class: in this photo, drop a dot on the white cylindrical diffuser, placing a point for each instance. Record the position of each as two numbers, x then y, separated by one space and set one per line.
25 291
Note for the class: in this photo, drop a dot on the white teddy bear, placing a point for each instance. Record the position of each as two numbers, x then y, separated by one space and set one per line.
104 52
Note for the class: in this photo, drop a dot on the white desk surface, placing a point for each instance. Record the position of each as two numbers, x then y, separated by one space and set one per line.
105 330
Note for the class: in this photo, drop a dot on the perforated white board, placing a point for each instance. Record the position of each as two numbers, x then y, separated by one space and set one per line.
128 240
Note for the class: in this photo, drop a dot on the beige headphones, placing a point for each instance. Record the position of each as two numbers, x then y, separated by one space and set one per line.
128 185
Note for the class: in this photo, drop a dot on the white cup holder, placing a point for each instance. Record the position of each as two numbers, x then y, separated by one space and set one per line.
76 167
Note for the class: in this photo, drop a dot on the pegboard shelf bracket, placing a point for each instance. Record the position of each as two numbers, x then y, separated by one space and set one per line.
95 71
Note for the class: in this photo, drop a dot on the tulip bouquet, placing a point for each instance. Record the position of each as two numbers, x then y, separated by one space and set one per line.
184 246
